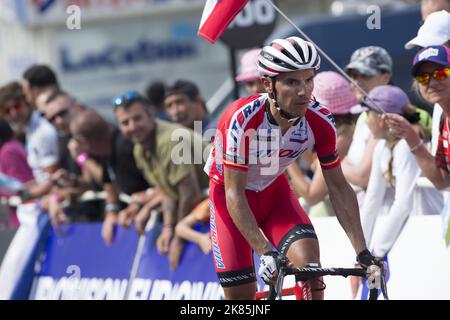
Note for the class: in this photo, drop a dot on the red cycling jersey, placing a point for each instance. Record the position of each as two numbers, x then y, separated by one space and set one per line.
249 139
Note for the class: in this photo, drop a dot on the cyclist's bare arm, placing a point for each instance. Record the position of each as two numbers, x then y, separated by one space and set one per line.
346 207
240 212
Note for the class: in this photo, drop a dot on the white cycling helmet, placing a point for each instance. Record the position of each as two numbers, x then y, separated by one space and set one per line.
287 55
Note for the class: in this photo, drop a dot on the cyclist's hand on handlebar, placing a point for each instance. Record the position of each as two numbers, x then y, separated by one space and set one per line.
375 266
268 267
366 259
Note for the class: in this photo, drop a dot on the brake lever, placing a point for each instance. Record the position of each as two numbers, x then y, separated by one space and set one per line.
384 286
281 266
280 281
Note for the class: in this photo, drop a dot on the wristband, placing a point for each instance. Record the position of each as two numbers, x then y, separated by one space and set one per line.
417 146
81 159
25 195
54 199
365 258
112 207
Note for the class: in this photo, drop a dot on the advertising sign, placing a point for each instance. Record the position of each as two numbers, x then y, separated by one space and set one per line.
101 61
78 265
47 12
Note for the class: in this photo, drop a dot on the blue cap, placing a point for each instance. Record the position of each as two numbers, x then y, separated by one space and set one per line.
436 54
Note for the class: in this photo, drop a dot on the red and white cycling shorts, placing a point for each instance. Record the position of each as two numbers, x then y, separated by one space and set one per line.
278 214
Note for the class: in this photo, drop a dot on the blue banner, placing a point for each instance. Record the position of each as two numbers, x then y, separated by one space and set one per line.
81 245
77 264
195 278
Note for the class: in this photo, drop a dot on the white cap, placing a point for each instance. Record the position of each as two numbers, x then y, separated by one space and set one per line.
435 31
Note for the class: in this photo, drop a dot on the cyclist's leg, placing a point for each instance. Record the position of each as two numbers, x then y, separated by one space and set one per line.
240 292
233 257
305 251
290 229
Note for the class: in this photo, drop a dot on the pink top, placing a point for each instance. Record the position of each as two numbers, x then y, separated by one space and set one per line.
13 162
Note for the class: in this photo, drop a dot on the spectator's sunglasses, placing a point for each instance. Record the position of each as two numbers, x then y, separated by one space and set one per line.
439 74
18 106
127 99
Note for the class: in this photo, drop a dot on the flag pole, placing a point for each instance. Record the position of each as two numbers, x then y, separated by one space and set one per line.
324 54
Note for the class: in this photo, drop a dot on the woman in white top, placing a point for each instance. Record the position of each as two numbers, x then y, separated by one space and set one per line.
431 72
392 182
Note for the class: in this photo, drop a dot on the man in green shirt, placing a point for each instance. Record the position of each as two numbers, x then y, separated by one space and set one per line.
171 158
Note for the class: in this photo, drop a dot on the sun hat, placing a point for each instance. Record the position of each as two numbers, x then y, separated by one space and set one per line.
334 91
249 66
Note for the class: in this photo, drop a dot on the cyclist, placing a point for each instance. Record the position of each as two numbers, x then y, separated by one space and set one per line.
252 205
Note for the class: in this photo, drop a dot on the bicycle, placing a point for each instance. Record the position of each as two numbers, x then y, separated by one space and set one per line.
302 289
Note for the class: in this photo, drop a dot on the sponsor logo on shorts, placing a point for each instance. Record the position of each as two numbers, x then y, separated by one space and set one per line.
236 279
215 243
297 234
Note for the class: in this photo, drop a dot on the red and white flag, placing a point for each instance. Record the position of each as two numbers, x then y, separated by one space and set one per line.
216 17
